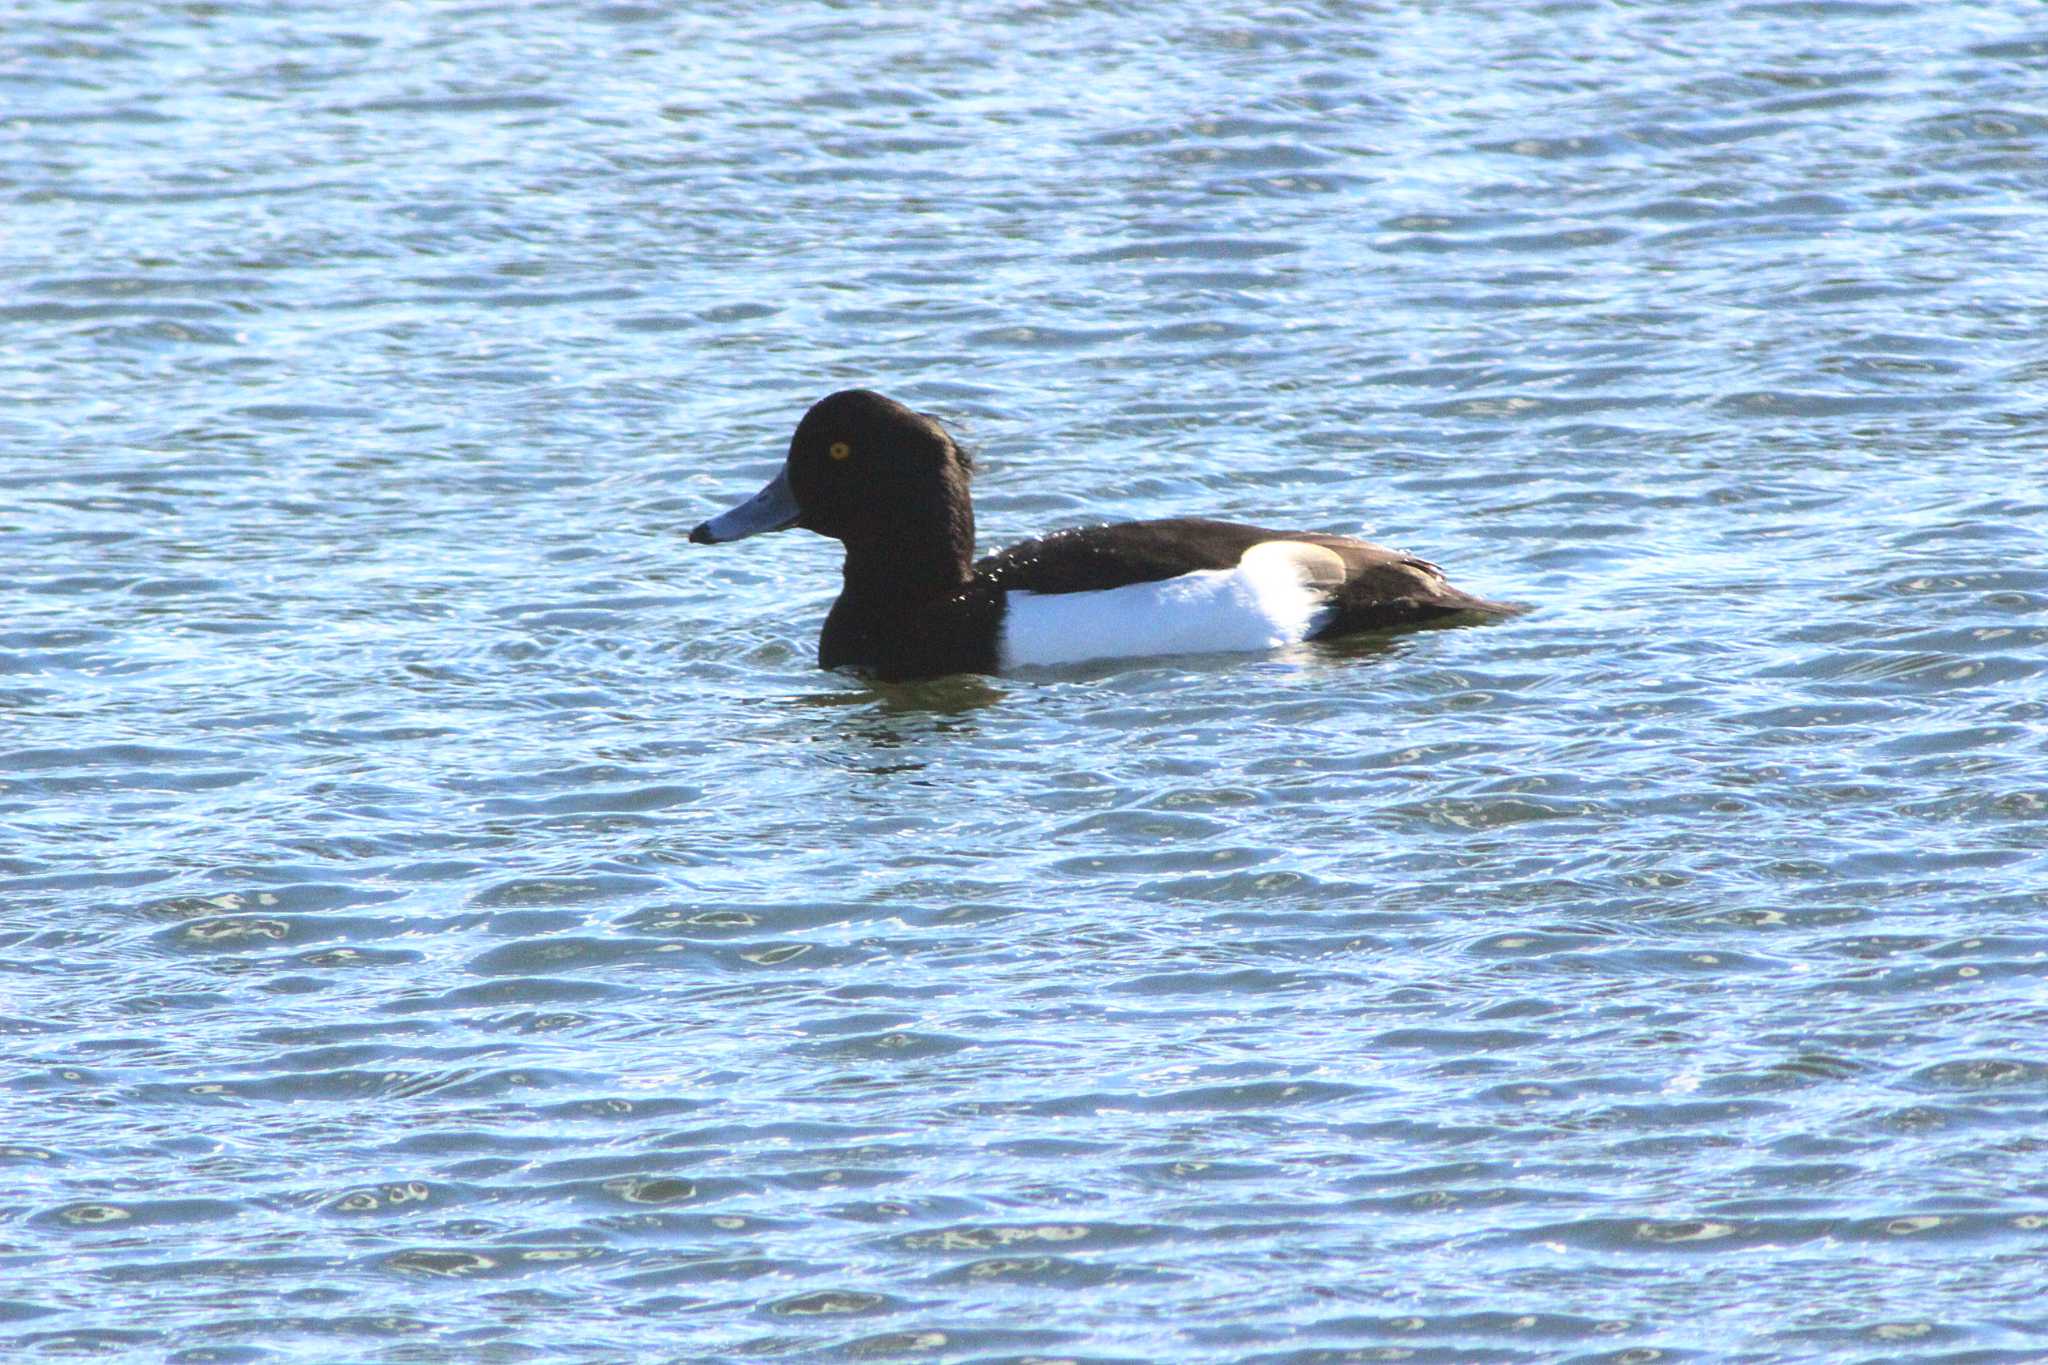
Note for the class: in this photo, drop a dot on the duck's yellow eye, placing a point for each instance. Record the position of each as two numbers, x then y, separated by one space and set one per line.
839 450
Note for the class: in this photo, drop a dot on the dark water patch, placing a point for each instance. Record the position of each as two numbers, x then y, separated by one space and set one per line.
1783 403
1189 248
509 102
568 890
967 1240
1228 984
1259 1096
135 1215
92 1341
1988 1074
833 1303
1677 1236
895 1045
564 954
242 932
974 1343
717 1270
1040 338
1047 1273
17 1310
492 1263
54 311
118 114
270 891
889 147
148 283
278 1269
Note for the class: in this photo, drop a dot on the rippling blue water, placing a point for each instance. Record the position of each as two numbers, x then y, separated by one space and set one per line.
447 918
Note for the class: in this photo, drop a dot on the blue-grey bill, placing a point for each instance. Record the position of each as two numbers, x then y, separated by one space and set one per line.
771 509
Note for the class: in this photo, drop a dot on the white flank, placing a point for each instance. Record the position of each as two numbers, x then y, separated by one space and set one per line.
1265 602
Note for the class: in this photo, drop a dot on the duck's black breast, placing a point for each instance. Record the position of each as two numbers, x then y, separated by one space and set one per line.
895 638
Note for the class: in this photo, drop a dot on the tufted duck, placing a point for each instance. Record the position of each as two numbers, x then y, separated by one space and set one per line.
892 486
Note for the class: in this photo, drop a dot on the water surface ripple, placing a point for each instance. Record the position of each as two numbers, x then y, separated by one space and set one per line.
445 917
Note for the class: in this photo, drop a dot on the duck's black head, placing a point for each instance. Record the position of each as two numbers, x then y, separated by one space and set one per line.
866 470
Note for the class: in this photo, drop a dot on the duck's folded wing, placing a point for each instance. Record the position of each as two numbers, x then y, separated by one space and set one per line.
1092 558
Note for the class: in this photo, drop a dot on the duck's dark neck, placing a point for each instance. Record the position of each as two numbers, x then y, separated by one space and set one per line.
909 569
